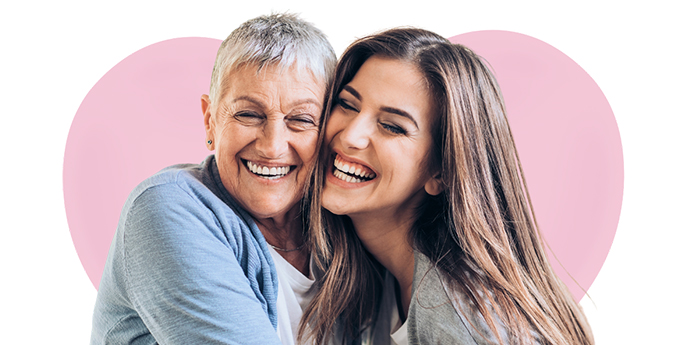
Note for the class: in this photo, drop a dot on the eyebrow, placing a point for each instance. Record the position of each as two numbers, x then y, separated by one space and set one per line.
262 105
391 110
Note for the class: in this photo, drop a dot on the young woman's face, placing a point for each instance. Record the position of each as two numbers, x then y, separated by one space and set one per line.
380 138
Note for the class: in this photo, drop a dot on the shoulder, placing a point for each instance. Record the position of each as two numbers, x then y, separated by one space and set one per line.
440 314
183 205
443 313
184 192
181 242
432 318
176 181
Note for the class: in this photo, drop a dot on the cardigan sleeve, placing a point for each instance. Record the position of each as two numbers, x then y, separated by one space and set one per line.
183 274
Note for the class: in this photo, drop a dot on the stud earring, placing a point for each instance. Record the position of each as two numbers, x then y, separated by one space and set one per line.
209 142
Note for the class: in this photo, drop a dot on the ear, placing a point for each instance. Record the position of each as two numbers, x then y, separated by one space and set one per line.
209 122
434 186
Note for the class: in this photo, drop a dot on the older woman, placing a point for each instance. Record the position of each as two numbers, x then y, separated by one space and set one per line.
215 253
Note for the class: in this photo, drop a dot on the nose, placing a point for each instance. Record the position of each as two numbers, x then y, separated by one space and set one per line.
272 140
356 133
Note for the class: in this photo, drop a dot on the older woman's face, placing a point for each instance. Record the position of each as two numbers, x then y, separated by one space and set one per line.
264 130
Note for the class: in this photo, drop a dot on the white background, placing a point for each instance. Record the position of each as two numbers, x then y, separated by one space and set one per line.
54 52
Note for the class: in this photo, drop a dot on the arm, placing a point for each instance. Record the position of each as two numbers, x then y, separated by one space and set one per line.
183 275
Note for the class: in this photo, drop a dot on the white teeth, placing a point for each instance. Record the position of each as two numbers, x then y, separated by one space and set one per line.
355 169
271 173
341 175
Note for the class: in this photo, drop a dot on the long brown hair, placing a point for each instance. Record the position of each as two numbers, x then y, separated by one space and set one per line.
480 231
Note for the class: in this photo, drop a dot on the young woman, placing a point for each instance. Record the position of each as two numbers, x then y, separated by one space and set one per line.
426 233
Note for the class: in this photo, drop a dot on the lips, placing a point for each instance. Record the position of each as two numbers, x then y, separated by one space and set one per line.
352 172
269 173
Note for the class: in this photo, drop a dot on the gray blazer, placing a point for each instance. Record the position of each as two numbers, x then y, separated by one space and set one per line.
432 318
436 318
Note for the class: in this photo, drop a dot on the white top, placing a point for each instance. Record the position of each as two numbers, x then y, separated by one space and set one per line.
398 331
294 295
389 304
388 315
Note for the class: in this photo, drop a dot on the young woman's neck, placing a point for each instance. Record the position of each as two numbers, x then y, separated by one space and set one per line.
388 241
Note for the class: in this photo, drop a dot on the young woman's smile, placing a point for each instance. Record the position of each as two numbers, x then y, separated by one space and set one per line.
348 173
379 134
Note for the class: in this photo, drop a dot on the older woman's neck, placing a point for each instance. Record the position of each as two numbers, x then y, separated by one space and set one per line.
388 241
286 233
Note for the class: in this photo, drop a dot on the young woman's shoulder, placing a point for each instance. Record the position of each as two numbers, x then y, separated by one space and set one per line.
439 314
432 319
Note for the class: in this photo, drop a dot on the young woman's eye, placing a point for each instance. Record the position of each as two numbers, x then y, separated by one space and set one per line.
393 129
345 105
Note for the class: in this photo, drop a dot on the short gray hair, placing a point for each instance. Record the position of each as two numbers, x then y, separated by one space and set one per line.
277 39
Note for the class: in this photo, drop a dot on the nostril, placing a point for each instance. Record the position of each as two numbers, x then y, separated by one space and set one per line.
272 148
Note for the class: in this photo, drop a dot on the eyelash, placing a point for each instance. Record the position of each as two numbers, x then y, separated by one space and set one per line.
303 119
247 114
345 106
393 129
252 116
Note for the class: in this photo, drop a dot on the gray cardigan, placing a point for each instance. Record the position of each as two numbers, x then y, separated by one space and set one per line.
187 266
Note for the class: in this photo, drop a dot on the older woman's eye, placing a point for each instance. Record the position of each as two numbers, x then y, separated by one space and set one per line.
393 129
345 105
302 122
249 117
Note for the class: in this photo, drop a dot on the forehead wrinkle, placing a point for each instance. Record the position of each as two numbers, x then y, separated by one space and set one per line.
305 101
273 101
249 99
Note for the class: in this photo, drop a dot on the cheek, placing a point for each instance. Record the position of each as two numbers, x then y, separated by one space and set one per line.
305 145
415 161
335 124
233 134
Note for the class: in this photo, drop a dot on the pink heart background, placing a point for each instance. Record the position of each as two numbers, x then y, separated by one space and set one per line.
145 114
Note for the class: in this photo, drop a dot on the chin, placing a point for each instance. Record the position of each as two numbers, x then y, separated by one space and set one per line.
270 210
336 211
337 206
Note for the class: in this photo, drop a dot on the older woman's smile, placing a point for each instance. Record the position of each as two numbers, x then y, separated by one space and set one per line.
268 172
